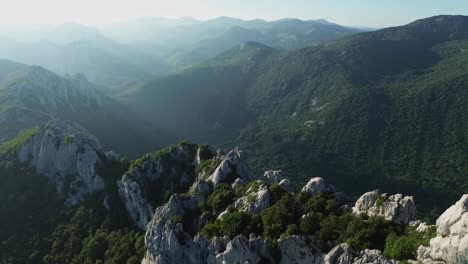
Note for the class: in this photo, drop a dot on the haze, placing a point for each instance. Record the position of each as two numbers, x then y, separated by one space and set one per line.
363 13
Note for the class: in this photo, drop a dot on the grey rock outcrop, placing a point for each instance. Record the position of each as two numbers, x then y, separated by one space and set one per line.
340 254
137 206
273 176
317 185
254 201
230 164
68 156
295 249
136 187
451 243
374 256
397 208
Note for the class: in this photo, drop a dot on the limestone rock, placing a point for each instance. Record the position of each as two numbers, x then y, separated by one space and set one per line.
137 206
273 176
230 164
136 187
317 185
451 243
295 249
397 208
68 156
254 201
372 257
340 254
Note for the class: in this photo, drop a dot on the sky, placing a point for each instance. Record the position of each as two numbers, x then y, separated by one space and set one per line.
370 13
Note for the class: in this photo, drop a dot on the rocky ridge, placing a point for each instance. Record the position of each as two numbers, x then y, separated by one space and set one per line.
68 156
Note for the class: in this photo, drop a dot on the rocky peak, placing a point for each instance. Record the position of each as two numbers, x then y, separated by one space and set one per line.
232 166
396 208
154 175
68 156
451 243
43 90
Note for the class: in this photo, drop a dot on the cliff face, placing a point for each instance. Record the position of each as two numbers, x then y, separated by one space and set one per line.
68 157
451 243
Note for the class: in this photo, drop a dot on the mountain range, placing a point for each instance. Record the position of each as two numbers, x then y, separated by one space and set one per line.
387 106
293 121
110 57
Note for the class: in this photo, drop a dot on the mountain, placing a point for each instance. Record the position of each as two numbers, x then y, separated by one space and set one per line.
183 43
69 201
385 108
212 106
31 95
72 49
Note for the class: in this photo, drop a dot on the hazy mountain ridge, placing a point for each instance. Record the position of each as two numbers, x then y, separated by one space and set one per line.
31 95
337 111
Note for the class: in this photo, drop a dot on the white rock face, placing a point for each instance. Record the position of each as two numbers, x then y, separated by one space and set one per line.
231 163
340 254
372 256
68 157
295 249
451 243
254 201
243 250
317 185
397 208
134 186
273 176
137 206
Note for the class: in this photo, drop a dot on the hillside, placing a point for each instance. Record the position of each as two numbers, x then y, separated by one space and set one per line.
31 95
385 108
184 43
68 201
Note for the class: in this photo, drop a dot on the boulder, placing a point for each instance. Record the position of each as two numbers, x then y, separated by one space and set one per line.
397 208
317 185
451 243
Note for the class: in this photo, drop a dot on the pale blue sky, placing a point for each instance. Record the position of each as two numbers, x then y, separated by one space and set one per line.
372 13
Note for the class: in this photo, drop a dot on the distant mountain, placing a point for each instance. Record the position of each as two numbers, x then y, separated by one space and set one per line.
31 95
72 49
184 43
387 108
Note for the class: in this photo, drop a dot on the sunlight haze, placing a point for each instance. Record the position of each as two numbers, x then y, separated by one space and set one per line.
91 12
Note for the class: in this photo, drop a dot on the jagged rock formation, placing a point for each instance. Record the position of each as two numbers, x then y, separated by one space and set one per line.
68 157
137 206
296 249
396 208
155 175
317 185
254 201
451 243
273 176
232 165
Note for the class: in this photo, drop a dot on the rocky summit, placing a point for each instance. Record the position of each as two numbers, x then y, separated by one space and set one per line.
68 157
